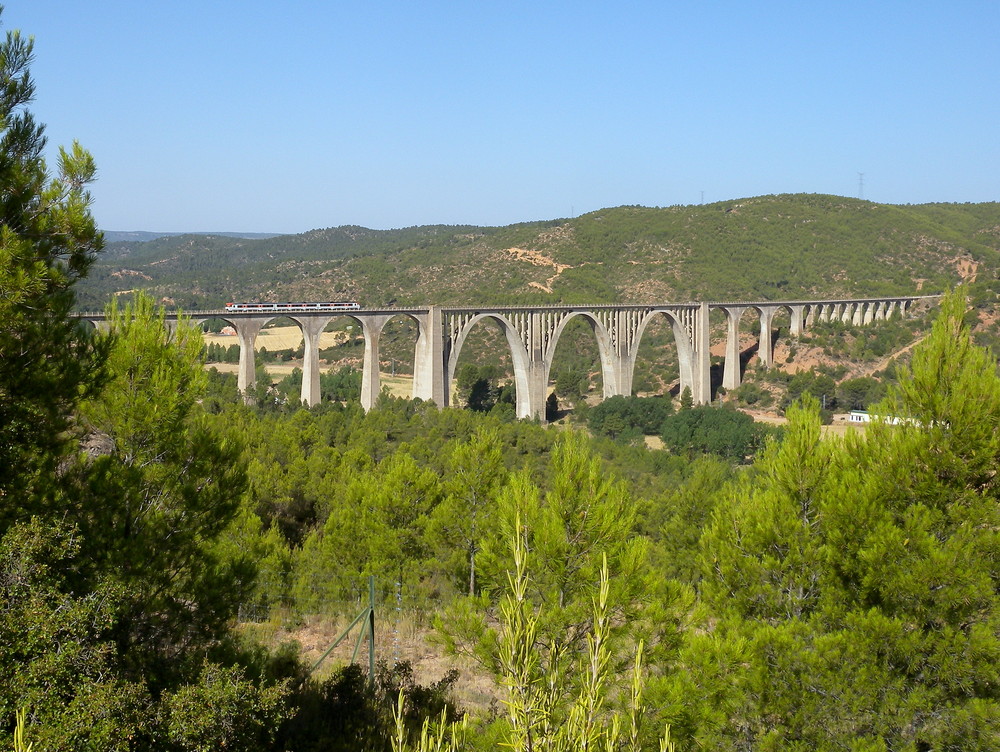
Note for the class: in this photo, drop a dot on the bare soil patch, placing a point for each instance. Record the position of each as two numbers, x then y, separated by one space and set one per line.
840 427
402 636
537 258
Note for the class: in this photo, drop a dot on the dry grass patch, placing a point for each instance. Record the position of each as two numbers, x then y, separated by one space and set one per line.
402 637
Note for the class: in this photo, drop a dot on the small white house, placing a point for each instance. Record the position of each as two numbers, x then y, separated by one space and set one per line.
860 416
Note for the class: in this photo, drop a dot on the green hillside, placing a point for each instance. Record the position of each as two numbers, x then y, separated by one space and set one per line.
769 247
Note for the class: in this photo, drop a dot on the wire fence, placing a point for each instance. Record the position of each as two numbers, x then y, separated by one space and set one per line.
329 594
318 610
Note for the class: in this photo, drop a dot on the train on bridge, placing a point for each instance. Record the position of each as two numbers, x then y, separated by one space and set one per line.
290 307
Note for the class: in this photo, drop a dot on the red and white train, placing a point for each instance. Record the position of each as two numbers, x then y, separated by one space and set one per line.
290 307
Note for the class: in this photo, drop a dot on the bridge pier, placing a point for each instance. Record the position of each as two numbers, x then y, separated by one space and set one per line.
312 328
430 369
621 371
538 391
731 376
765 350
247 330
798 313
371 382
538 365
701 389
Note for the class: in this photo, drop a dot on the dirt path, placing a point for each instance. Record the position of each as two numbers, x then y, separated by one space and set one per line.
537 258
881 364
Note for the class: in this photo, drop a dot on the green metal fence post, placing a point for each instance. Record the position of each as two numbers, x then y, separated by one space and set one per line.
371 630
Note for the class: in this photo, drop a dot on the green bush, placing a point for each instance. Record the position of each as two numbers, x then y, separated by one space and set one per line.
222 711
858 394
629 417
707 429
753 395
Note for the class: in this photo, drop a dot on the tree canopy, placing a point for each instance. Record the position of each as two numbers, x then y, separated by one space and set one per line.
48 241
863 575
114 613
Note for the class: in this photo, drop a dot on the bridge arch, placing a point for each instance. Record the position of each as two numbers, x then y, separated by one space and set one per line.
605 349
683 341
765 343
372 329
312 325
518 353
766 314
93 324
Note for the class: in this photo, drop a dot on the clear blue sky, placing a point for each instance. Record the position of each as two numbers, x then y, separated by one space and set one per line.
293 115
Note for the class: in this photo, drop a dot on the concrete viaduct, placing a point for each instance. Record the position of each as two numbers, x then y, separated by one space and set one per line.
532 333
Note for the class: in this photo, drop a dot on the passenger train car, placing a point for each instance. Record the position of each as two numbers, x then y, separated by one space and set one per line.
290 307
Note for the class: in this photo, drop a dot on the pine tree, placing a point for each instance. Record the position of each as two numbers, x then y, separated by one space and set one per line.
585 519
75 594
475 473
47 242
760 556
864 575
169 485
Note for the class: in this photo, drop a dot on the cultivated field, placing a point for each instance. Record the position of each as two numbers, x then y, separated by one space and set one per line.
289 338
278 338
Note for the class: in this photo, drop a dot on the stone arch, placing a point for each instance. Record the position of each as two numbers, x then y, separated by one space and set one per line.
311 327
371 331
896 309
874 311
682 341
811 314
518 353
94 324
202 321
249 327
605 348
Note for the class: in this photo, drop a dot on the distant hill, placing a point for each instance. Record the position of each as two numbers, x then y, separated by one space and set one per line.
140 236
768 247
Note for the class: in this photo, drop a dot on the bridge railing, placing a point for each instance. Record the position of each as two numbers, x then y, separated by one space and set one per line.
223 313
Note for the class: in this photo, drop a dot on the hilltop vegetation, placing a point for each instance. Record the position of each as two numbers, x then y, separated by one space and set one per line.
764 248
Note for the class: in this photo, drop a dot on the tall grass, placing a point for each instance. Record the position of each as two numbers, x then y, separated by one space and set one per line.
536 686
19 743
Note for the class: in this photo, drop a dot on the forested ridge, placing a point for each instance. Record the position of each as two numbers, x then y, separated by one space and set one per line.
765 248
742 588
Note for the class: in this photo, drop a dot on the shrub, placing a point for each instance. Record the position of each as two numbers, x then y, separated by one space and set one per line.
706 429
